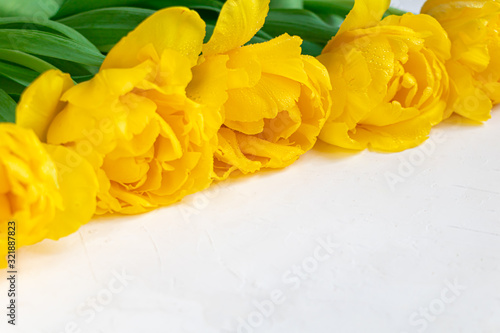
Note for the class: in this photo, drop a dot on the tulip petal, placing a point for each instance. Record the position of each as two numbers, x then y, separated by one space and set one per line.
337 134
429 29
175 28
131 203
238 22
209 89
108 85
274 155
394 138
271 95
279 56
228 151
78 188
69 125
106 203
41 102
473 102
364 14
246 127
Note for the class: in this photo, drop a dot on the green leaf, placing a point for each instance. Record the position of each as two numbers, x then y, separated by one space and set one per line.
7 108
214 5
303 23
82 78
28 48
210 31
332 19
49 44
257 40
21 75
11 87
105 27
339 7
311 48
72 7
70 67
25 60
395 11
263 35
35 9
297 4
47 26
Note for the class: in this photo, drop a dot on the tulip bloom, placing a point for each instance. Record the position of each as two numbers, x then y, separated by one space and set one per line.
44 195
277 99
148 141
474 67
390 84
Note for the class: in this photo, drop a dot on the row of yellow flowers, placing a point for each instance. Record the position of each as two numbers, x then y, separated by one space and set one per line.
167 115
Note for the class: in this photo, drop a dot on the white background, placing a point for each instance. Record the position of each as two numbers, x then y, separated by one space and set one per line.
203 265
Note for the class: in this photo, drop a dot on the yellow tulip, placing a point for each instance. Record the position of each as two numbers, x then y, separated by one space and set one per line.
278 99
390 85
474 67
146 126
48 191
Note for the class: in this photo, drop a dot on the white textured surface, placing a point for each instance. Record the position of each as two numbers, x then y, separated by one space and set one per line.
201 266
409 5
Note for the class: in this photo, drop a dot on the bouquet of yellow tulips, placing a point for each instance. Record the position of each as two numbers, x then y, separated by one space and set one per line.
124 106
